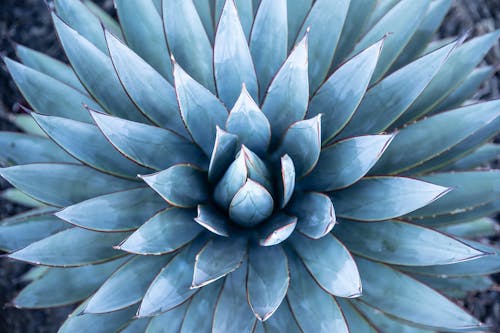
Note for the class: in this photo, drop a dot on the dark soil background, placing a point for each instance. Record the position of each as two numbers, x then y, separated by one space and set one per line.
27 22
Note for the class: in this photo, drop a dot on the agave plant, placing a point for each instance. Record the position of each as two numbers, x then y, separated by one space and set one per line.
253 166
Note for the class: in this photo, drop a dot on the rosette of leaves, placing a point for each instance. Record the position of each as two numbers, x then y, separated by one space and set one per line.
253 166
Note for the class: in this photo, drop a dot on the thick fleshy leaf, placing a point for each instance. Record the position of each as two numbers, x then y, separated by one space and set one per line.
190 47
143 84
404 17
392 96
135 326
266 284
470 189
171 287
288 94
434 136
325 21
398 243
219 257
71 247
232 313
282 320
200 312
95 70
297 13
205 12
201 111
79 283
483 227
21 230
136 275
19 148
96 152
234 178
15 196
27 124
383 198
248 122
380 9
314 310
315 213
423 305
222 154
120 211
165 232
61 184
213 220
337 274
345 162
338 98
49 66
106 19
251 204
467 57
277 229
268 42
168 322
302 142
181 185
481 156
356 321
233 63
143 29
257 169
49 96
149 146
286 183
457 287
245 12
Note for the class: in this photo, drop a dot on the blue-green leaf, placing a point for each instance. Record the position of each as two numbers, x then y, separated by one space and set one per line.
483 227
136 274
204 9
338 98
181 185
234 178
27 124
398 243
345 162
106 19
71 247
247 121
266 284
297 13
168 322
233 63
286 185
277 229
282 320
356 321
222 155
457 287
245 13
337 274
213 220
219 257
251 205
288 94
61 184
382 198
165 232
14 195
199 315
120 211
315 213
481 156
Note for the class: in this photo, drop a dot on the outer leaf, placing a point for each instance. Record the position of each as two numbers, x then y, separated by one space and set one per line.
288 95
96 152
204 9
106 20
200 312
134 326
191 47
219 257
47 95
14 195
287 181
71 247
338 98
201 111
120 211
95 70
398 243
74 183
423 305
269 29
232 313
297 13
136 274
325 19
143 29
27 124
165 232
248 122
233 63
315 212
143 84
382 198
457 287
222 154
168 322
483 227
149 146
481 156
345 162
282 320
314 310
210 218
79 283
338 274
356 320
251 205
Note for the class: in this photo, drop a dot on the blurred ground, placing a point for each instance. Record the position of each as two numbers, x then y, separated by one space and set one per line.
27 22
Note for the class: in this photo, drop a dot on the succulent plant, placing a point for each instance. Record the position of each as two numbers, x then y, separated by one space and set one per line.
253 166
